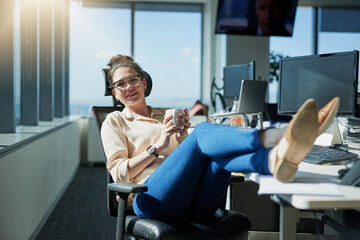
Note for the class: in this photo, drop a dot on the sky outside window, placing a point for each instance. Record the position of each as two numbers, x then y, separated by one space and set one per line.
300 43
338 42
96 34
297 45
168 47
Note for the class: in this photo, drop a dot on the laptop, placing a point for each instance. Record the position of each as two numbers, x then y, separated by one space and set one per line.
251 98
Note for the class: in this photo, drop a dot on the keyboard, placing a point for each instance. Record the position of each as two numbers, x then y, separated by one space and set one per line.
328 154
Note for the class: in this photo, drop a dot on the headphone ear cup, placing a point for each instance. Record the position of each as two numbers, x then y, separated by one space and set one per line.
148 81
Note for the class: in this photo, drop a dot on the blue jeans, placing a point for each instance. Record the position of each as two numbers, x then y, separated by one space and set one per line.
192 182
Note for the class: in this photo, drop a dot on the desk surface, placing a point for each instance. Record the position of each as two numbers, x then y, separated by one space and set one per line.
350 195
350 198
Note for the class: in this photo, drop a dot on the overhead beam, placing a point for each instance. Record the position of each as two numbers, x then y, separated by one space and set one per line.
330 3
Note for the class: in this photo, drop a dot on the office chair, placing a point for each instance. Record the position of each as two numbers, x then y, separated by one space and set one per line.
225 224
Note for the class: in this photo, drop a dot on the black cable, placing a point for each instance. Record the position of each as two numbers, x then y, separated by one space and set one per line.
216 87
266 113
317 227
222 100
344 230
214 93
356 182
342 124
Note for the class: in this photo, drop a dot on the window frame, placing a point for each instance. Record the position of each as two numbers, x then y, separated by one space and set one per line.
168 6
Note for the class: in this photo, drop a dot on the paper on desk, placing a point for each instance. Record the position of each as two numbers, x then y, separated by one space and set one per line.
269 185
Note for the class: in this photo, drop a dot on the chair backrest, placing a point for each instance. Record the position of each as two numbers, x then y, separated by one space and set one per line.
100 113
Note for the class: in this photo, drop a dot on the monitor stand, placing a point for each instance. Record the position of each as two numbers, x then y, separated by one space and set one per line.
332 136
336 134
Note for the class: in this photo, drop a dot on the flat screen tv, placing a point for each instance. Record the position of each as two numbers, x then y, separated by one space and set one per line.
321 77
256 17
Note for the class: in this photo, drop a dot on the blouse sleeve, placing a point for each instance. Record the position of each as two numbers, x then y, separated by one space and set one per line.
115 146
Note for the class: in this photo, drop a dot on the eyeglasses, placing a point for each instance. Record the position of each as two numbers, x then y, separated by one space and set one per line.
133 81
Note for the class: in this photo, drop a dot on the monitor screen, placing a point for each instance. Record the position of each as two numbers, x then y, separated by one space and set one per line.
233 75
252 96
260 17
321 77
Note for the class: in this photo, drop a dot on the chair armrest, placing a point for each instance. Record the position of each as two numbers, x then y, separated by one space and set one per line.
123 190
236 179
127 187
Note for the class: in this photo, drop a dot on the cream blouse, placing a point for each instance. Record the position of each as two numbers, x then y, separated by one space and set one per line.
125 135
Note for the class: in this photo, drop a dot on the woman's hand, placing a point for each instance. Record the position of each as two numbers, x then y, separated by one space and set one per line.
184 121
168 129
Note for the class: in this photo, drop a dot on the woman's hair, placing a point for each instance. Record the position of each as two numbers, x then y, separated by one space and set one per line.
118 61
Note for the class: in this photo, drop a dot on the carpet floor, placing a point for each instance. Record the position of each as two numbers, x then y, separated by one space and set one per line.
81 212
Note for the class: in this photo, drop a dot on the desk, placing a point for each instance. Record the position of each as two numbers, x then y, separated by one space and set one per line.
291 204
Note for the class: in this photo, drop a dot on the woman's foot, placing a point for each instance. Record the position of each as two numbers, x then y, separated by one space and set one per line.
298 140
327 113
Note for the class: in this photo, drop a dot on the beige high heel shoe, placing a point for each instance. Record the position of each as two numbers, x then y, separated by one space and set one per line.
327 114
298 140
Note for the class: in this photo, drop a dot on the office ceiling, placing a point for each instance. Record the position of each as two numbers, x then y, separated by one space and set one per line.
305 3
330 3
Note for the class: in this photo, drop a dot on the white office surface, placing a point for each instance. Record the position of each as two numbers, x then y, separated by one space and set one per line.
349 197
315 187
27 133
7 139
269 185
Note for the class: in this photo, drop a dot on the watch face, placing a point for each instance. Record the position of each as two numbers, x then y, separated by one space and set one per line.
151 149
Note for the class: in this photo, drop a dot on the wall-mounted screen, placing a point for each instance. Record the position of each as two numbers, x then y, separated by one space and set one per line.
256 17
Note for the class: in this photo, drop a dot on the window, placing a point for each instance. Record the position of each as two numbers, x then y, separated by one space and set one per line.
166 43
338 42
298 45
301 42
96 34
168 47
339 30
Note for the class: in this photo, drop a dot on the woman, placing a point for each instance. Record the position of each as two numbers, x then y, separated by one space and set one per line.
187 175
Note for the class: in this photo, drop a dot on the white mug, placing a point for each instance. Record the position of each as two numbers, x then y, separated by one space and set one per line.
175 112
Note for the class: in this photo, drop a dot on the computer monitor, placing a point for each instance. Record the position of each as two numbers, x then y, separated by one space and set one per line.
321 77
233 75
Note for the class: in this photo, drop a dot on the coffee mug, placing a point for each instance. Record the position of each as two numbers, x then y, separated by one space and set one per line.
175 112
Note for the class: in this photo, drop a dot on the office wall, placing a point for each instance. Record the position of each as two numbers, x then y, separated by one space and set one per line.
95 153
33 177
244 49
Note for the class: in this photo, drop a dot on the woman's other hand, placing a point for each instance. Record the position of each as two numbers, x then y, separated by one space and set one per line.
184 122
169 128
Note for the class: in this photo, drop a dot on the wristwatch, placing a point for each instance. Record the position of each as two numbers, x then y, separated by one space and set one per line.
152 150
